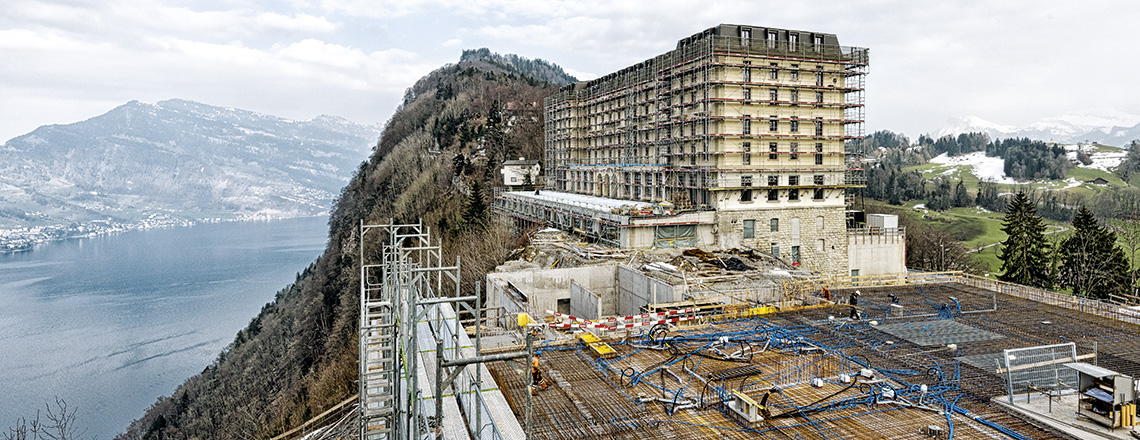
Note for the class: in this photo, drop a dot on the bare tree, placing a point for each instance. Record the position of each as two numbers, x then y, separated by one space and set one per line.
57 424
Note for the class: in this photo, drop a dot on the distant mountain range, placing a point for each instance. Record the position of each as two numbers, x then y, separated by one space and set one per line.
1108 128
177 159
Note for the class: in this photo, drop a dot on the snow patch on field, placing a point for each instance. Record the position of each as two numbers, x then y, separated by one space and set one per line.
985 167
1101 160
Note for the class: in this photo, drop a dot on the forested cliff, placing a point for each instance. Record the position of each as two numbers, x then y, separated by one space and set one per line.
298 356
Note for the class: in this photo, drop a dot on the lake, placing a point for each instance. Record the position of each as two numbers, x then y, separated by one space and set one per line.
111 323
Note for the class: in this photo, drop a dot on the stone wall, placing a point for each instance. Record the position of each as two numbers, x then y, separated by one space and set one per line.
820 233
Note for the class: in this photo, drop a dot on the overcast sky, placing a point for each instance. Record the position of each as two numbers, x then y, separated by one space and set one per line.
1009 62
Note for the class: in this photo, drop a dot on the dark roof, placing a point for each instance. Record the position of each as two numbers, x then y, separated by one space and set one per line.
520 162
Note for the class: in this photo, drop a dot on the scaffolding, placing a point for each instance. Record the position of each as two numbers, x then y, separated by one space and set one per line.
670 129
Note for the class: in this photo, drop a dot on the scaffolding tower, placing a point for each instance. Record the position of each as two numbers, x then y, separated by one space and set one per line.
394 294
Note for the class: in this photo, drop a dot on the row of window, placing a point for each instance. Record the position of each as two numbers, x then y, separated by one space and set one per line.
774 125
772 40
774 95
774 73
774 180
774 194
773 152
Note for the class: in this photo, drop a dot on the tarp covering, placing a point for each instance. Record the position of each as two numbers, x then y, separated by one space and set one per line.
675 236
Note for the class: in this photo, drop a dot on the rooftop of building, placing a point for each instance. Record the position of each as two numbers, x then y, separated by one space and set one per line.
948 337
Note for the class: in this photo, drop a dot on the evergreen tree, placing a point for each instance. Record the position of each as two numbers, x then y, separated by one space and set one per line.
475 211
1091 262
1024 254
961 197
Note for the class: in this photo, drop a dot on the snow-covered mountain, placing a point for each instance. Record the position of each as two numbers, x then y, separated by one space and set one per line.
179 159
1104 127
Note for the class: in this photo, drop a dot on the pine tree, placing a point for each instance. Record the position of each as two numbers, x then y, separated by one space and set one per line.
961 197
1091 262
475 211
1024 254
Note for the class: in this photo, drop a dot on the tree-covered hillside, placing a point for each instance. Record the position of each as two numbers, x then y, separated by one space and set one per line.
298 356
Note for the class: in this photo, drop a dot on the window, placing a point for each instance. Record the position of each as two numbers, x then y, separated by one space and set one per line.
794 194
794 149
820 244
795 255
774 73
746 157
693 129
775 224
749 228
746 76
773 123
693 96
819 78
795 96
795 125
773 180
745 180
771 39
775 250
773 195
793 41
795 72
772 151
818 127
819 97
819 153
854 272
817 42
745 195
745 36
817 194
747 94
514 179
773 95
793 180
819 225
746 125
818 179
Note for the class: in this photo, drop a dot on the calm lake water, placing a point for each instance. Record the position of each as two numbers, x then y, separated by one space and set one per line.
111 323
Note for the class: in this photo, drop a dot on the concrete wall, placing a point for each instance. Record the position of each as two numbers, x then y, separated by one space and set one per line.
514 175
584 303
544 288
636 290
876 254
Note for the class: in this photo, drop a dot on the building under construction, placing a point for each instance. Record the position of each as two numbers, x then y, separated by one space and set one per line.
741 136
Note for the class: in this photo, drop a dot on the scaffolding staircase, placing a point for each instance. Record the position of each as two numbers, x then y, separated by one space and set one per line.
379 369
379 397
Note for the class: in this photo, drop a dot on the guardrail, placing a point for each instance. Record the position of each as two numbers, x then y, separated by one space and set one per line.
801 289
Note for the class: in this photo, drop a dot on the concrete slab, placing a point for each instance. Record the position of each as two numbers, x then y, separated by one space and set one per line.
1061 413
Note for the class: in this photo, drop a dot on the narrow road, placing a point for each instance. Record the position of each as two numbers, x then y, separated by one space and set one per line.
1059 229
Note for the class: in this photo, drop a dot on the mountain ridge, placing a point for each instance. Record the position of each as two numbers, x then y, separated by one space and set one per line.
1104 127
176 159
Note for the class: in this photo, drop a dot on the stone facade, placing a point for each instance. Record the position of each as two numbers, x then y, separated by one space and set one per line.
817 235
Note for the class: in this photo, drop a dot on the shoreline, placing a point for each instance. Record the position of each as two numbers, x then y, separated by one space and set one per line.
27 239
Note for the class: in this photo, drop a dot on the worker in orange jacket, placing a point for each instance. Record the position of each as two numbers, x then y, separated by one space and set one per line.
535 375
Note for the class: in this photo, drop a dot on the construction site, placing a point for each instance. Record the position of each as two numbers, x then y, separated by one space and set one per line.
647 303
934 355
